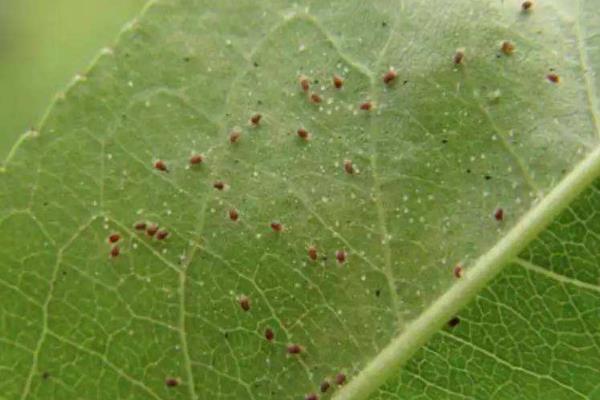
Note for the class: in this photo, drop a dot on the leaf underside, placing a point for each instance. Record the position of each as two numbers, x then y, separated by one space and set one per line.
441 150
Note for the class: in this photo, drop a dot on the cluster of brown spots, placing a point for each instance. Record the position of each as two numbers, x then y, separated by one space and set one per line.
172 382
340 256
340 378
338 82
294 349
349 167
304 83
459 57
553 77
235 136
234 214
303 134
366 106
276 226
526 5
499 214
453 322
114 238
255 119
390 76
161 166
219 185
312 253
151 230
196 159
269 334
316 98
458 271
244 302
507 47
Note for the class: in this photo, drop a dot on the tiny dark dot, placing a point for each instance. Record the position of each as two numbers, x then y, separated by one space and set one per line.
487 177
186 59
453 322
45 203
45 375
378 292
384 24
316 81
444 141
255 64
226 334
172 382
468 171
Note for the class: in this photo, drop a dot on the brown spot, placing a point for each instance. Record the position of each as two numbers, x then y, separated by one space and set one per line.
552 77
162 234
269 334
303 134
255 119
161 166
294 349
311 396
338 82
276 226
115 251
325 386
152 229
219 185
348 167
234 137
140 226
458 271
366 106
244 302
390 76
196 159
507 47
453 322
172 382
315 98
526 5
312 253
114 238
459 57
499 214
233 214
340 256
304 83
340 378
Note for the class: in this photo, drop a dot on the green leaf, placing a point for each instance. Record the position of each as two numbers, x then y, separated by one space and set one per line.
443 148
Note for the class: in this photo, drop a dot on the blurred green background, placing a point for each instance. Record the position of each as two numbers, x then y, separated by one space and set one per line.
43 44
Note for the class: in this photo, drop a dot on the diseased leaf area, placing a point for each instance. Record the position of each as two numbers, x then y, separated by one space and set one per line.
251 199
533 334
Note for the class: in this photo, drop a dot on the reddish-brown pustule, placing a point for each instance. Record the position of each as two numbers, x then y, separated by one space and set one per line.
312 253
244 302
458 271
140 226
219 185
340 256
303 134
114 238
499 214
234 214
338 82
234 137
161 166
507 47
255 119
348 167
311 396
269 334
390 76
196 159
294 349
325 385
459 57
276 226
526 5
115 251
552 77
162 234
152 229
315 98
366 106
304 83
172 382
340 378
